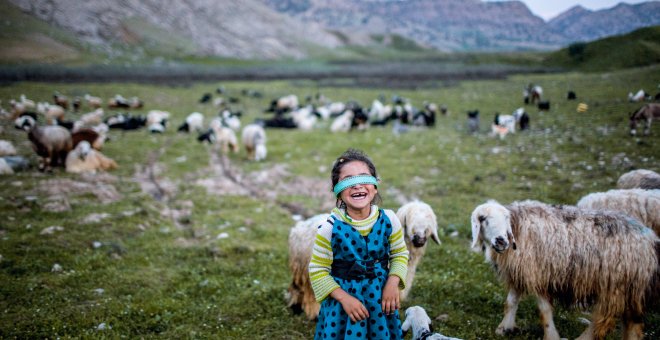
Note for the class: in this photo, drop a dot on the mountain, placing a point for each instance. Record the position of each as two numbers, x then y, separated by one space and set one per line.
130 30
448 25
228 28
580 24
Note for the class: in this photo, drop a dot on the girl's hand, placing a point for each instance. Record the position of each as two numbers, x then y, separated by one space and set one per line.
352 306
390 301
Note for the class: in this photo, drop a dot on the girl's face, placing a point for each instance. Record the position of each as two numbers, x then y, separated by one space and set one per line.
358 197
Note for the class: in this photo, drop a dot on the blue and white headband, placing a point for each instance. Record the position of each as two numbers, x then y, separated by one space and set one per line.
354 180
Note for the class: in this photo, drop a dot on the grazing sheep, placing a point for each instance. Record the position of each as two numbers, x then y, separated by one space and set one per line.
93 102
7 148
473 121
300 295
419 321
157 121
574 256
640 96
342 123
95 139
254 140
85 159
231 119
60 100
52 112
27 103
283 104
118 101
135 103
194 122
643 205
646 114
92 118
51 143
225 136
419 224
640 178
16 109
503 125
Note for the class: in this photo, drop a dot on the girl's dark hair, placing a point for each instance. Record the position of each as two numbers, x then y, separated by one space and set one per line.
348 156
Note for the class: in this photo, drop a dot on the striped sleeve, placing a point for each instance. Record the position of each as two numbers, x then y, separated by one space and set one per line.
398 250
321 263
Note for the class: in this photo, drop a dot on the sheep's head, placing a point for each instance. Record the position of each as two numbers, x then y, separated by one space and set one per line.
416 318
491 227
84 148
419 223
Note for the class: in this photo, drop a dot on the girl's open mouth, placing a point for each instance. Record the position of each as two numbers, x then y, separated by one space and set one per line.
359 195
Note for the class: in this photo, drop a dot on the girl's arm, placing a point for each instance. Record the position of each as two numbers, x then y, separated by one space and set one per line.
352 306
398 250
390 301
320 264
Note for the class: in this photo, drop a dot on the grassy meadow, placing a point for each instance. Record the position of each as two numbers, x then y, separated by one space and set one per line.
181 242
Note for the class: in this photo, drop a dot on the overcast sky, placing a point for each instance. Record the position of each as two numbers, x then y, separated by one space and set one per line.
548 9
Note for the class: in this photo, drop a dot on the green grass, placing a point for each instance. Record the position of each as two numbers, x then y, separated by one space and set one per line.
635 49
172 277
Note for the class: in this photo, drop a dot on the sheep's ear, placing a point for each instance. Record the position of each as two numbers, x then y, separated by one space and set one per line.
509 231
434 235
406 326
476 228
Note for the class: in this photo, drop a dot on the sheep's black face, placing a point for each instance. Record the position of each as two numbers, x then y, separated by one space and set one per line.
501 244
418 241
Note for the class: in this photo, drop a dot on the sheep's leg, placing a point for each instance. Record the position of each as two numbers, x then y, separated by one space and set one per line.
508 324
647 127
633 326
545 308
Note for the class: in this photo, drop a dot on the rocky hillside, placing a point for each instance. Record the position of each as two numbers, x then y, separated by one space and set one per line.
230 28
269 29
471 24
580 24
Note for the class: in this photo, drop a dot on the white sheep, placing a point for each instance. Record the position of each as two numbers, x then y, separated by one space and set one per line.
7 148
27 103
85 159
253 138
304 118
230 120
224 136
644 205
157 121
419 223
567 254
93 102
343 123
640 178
300 296
193 122
52 112
419 321
92 118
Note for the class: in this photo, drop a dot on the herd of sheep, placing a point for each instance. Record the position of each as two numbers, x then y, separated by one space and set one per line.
602 252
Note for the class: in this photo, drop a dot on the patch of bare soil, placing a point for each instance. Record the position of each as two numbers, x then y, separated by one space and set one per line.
223 178
60 191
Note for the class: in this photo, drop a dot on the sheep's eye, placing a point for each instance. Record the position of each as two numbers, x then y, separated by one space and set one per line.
482 218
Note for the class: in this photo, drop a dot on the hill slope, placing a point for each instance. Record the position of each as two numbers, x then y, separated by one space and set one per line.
638 48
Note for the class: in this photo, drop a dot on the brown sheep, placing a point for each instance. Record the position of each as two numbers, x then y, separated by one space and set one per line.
562 253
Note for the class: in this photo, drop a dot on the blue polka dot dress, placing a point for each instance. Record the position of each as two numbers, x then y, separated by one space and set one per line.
349 245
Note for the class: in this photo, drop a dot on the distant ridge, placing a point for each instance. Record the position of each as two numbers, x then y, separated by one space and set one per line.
276 29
